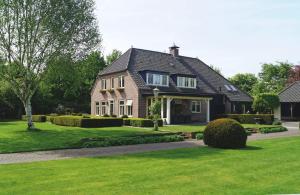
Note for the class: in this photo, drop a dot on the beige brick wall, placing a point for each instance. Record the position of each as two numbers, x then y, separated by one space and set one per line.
130 92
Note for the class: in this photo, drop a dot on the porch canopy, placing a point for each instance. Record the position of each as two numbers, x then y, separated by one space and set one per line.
166 101
290 102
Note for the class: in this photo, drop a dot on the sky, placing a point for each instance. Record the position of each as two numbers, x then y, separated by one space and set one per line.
236 36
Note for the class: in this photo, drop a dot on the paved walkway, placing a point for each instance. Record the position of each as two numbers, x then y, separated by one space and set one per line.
119 150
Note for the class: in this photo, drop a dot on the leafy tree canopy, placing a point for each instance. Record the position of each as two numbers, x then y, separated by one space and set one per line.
115 54
265 102
244 81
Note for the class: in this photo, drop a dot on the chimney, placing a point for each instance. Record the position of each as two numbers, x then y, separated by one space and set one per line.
174 50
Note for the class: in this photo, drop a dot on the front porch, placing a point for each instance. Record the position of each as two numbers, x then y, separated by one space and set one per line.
182 109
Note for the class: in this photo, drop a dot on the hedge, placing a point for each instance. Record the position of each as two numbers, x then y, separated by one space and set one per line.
78 121
118 141
140 122
272 129
35 118
250 118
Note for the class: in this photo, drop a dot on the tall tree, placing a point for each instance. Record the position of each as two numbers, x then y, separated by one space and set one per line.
294 74
33 32
273 77
244 81
115 54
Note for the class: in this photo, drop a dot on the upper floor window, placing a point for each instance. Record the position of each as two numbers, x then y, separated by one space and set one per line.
121 81
103 84
112 83
186 82
157 79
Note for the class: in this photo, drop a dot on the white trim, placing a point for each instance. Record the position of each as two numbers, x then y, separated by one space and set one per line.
103 84
121 81
112 81
129 105
189 82
124 108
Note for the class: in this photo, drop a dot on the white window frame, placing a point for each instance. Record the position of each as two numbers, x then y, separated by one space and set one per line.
112 83
97 108
123 107
103 84
127 109
197 103
157 79
186 82
103 106
121 81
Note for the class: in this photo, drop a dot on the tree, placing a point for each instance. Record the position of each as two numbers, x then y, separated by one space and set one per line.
33 32
115 54
155 112
273 77
294 74
265 102
244 81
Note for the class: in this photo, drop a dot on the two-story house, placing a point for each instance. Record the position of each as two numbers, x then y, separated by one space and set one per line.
189 90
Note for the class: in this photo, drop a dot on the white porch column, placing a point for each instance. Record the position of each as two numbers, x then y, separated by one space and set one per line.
208 111
162 108
169 110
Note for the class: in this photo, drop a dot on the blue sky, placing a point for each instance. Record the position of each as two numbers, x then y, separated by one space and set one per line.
235 35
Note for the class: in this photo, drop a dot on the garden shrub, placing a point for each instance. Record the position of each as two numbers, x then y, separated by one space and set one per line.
250 118
225 133
140 122
199 136
272 129
277 122
36 118
131 140
78 121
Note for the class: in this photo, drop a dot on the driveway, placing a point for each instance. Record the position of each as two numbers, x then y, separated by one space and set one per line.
120 150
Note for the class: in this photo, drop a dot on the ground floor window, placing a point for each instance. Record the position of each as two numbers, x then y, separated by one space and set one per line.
129 107
111 107
196 107
121 107
103 108
97 108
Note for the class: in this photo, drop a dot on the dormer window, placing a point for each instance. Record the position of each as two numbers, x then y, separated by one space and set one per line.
157 79
186 82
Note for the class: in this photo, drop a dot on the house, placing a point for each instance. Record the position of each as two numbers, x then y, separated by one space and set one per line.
289 108
189 90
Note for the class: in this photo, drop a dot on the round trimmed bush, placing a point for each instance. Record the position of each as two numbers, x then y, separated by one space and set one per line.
225 133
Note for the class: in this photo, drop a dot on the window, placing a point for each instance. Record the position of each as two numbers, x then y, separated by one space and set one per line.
186 82
97 108
196 107
157 79
129 107
121 82
103 108
103 84
111 107
233 88
228 88
121 107
112 83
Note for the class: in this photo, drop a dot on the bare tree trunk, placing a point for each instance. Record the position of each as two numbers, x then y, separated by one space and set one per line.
28 110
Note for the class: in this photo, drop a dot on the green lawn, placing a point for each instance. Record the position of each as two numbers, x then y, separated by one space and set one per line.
200 128
265 167
15 138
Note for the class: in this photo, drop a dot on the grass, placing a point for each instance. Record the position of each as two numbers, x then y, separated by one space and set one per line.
15 138
200 128
265 167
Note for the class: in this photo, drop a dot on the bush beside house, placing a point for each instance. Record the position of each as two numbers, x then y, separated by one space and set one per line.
140 122
250 118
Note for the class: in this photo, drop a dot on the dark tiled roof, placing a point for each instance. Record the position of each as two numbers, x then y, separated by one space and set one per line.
291 93
209 82
118 65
